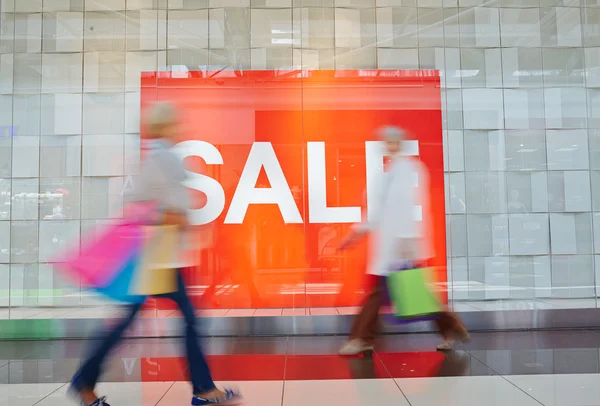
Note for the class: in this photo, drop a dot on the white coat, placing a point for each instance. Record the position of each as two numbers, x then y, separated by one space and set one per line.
400 218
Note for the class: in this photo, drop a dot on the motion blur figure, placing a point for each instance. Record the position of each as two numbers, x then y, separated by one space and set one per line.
396 237
160 181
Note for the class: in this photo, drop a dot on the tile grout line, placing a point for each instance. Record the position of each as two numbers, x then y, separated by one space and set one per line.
50 394
392 378
505 379
287 350
165 394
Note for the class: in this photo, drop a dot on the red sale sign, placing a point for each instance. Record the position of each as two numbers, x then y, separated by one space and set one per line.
278 166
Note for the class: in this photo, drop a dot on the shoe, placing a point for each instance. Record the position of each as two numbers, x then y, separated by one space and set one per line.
447 345
355 347
74 391
231 398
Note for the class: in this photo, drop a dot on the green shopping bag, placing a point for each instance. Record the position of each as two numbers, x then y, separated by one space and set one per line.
412 298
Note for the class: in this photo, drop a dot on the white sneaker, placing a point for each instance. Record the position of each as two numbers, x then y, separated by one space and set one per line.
447 345
355 347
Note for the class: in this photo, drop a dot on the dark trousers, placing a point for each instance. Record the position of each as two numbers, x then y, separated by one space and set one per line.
88 374
366 323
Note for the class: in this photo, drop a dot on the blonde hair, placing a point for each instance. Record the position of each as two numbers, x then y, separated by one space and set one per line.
391 133
160 114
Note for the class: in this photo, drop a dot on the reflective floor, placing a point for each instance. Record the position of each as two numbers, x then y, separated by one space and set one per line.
559 368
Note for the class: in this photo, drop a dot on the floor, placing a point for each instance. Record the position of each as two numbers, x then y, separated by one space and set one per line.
559 368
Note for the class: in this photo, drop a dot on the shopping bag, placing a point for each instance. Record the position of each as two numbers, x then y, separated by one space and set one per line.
158 263
97 261
411 296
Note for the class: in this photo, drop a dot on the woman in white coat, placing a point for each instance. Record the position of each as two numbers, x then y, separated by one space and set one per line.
397 235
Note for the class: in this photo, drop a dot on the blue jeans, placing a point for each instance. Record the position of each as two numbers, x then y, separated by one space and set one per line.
88 374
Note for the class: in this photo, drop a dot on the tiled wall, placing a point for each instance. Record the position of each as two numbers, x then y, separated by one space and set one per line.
521 94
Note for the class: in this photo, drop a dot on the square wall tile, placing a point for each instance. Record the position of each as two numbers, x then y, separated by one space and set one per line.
132 112
397 27
269 58
355 28
485 149
452 109
456 235
229 28
60 156
7 36
479 27
483 109
61 114
594 145
520 27
102 155
234 59
314 58
524 109
7 62
525 150
56 237
103 113
454 153
24 285
147 29
191 59
314 28
487 235
486 192
593 108
26 114
529 234
596 224
569 191
102 5
25 157
495 272
138 62
24 199
63 32
5 199
567 149
522 67
24 242
563 66
530 277
362 58
62 73
27 73
272 28
438 27
397 58
527 192
187 29
455 195
571 233
131 154
4 243
595 178
573 276
565 107
445 60
60 198
28 6
562 26
102 198
591 35
104 72
6 161
28 33
481 67
62 5
104 31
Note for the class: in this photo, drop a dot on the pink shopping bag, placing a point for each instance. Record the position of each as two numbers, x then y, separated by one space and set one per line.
100 260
